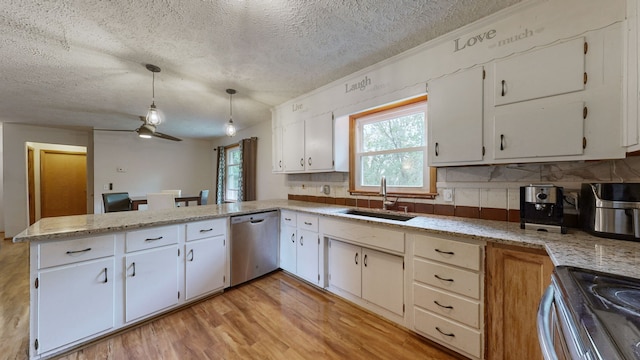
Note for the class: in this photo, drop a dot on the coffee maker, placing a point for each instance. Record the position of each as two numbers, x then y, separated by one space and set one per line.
541 208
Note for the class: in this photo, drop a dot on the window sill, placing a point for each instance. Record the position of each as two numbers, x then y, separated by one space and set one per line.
395 194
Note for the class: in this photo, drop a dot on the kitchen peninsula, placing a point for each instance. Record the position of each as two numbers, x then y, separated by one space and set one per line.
121 230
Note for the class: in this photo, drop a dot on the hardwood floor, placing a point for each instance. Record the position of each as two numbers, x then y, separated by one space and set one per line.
275 317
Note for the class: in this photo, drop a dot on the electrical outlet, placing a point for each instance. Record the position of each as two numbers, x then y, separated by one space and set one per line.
325 189
447 195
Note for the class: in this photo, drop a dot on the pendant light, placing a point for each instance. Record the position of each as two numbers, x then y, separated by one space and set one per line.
153 117
230 129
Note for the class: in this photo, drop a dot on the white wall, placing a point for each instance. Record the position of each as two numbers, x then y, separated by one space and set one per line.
15 137
150 165
1 180
269 185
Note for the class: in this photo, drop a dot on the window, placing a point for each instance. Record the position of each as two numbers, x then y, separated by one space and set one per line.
232 173
391 142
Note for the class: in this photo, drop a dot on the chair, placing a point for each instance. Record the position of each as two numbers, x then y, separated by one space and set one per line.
176 193
116 202
157 201
204 197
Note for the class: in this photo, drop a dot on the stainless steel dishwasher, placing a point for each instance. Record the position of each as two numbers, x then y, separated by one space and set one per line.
254 246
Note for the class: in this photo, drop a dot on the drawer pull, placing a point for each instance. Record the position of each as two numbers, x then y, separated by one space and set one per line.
444 333
154 239
441 278
442 306
308 223
287 219
206 230
105 275
78 251
445 252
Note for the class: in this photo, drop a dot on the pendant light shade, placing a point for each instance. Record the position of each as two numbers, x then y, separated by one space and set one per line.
230 129
153 117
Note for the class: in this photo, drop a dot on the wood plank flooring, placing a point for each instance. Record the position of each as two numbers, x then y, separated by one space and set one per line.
275 317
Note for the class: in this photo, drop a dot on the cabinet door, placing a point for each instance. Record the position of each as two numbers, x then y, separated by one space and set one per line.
517 278
151 281
277 165
204 266
293 147
541 132
554 70
344 267
455 113
318 143
74 302
307 256
383 280
288 248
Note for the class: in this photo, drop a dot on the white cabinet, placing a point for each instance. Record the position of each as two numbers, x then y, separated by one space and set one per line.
205 257
277 165
288 248
74 301
455 114
550 71
293 147
376 277
307 145
307 255
300 245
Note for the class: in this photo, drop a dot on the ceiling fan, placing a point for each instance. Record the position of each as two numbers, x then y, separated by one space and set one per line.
147 130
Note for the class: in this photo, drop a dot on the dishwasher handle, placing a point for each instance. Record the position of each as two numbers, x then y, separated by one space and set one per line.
256 221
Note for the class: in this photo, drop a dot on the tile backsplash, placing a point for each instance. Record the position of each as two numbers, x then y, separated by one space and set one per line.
491 192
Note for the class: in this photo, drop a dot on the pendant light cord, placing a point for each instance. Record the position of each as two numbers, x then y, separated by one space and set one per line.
153 87
230 107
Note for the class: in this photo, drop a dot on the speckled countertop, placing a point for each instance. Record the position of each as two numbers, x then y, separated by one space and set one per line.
576 248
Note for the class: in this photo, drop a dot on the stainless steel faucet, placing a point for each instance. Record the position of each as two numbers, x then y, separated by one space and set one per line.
383 192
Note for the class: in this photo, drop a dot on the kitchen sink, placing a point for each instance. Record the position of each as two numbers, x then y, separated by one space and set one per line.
379 215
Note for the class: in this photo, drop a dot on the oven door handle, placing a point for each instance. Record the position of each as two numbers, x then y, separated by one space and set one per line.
545 325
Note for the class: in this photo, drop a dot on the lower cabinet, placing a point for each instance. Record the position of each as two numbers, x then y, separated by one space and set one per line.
375 276
74 301
516 280
300 245
204 266
288 248
307 253
151 281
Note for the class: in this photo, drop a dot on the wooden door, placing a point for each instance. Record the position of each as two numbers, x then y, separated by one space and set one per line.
63 183
516 280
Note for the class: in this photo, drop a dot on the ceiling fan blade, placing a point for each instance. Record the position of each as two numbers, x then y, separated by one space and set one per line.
114 130
165 136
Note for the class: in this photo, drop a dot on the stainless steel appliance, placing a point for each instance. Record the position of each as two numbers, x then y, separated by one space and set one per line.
541 208
611 210
253 246
587 314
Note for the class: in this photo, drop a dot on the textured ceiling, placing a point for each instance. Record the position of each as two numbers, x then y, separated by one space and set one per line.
81 63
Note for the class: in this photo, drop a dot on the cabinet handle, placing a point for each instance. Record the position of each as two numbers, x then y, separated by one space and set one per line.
191 252
308 223
437 149
309 161
501 142
206 230
442 306
441 278
365 260
287 219
302 162
133 264
280 164
445 252
444 333
78 251
154 239
293 238
105 275
504 87
356 259
301 243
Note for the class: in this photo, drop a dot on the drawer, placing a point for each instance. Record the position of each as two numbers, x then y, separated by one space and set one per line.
288 218
447 305
307 222
151 238
445 277
206 228
448 251
448 333
71 251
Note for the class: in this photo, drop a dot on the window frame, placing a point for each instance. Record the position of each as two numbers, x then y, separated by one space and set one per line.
429 184
227 150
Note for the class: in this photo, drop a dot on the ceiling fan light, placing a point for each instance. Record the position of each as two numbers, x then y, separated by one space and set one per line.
230 129
144 132
153 117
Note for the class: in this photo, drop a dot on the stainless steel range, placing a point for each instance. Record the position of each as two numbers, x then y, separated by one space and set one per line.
586 314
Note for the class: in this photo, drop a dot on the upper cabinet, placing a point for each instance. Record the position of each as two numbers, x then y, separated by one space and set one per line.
455 118
550 71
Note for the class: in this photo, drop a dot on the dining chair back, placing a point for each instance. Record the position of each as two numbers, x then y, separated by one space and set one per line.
116 202
156 201
204 197
176 193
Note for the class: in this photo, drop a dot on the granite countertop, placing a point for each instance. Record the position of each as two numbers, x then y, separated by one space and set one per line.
576 248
